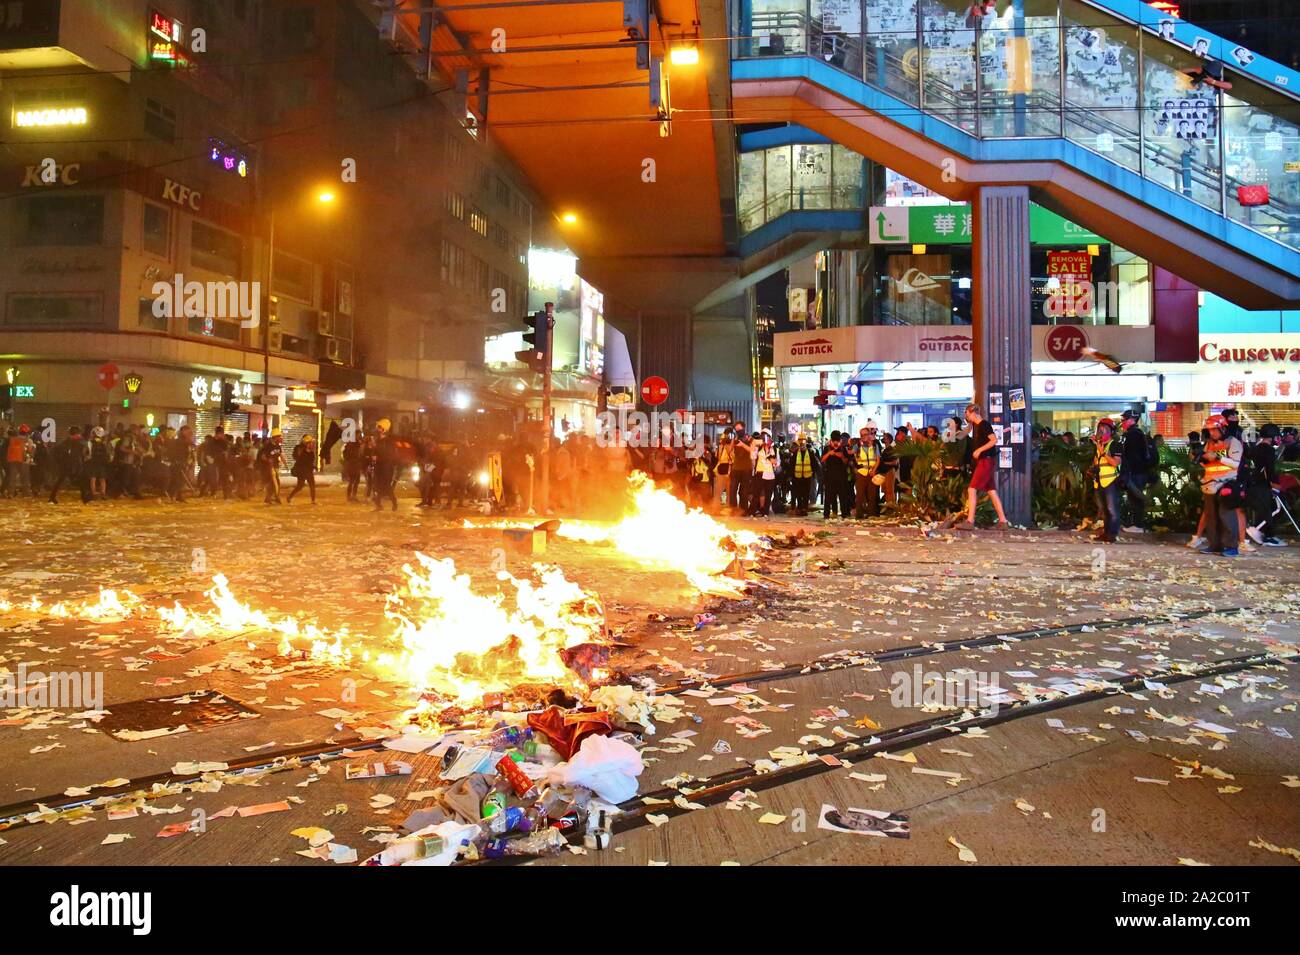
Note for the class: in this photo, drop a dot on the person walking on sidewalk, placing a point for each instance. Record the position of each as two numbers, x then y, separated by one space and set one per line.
982 449
270 458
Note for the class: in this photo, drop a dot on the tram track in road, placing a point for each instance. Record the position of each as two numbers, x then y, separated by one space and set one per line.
15 815
716 790
830 664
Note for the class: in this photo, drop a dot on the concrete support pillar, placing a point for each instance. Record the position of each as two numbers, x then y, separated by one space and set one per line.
1003 344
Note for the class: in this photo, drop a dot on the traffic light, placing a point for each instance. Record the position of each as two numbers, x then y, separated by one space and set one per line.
7 392
537 354
228 404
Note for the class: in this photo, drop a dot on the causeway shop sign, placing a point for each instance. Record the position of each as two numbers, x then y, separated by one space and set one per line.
1282 351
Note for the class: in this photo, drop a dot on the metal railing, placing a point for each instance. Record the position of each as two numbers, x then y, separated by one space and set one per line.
1034 114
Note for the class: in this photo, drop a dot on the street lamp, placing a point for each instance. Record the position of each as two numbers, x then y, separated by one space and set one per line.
323 197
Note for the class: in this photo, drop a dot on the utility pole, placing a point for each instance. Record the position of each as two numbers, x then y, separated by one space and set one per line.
546 409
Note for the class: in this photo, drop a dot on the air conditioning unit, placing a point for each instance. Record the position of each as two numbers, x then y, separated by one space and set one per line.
273 339
334 350
325 323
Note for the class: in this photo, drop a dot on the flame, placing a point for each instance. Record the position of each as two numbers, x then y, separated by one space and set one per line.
661 531
465 644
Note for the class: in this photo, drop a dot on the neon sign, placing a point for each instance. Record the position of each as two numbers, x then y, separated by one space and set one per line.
165 27
69 116
230 158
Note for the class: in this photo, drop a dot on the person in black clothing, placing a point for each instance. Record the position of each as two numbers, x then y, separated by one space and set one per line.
431 468
69 460
180 463
270 456
1136 458
836 488
304 466
1290 450
386 461
352 468
127 460
1195 445
1259 468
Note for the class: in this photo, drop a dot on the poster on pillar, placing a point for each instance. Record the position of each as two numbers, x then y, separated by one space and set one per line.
1017 430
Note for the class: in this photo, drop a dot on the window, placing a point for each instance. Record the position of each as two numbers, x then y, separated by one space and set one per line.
159 121
55 310
453 264
500 237
213 328
454 148
455 205
478 275
478 222
157 230
294 277
503 192
523 209
215 249
148 319
61 220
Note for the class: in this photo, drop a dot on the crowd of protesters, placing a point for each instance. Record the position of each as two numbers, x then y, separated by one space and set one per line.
750 474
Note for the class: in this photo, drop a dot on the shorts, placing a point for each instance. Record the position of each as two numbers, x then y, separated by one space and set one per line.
982 479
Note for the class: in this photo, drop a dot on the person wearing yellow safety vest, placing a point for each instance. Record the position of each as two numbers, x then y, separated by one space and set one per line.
1220 459
866 462
803 465
1106 461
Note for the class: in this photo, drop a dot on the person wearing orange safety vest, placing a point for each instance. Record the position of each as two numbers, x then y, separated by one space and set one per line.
1105 468
1220 459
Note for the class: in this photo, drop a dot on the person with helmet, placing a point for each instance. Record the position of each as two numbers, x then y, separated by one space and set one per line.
99 456
18 461
270 457
386 462
70 465
305 462
836 493
866 464
803 465
1106 462
1259 467
1220 460
1140 465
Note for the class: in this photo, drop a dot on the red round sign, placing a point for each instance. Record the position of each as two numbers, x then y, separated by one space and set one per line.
654 390
1065 343
107 376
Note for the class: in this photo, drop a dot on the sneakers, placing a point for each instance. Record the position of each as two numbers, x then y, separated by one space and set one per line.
1133 530
1273 542
1255 534
1249 548
1196 543
1230 552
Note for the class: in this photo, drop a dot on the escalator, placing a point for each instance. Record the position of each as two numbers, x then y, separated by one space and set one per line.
1192 211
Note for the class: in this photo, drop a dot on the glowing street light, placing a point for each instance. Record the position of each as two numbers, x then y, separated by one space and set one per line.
684 55
569 218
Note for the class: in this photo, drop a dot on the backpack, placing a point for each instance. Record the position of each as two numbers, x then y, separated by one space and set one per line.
1152 457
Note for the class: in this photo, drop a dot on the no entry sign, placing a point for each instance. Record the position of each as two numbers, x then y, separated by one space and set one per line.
654 390
107 376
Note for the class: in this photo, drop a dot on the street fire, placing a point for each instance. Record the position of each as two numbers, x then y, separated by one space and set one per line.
464 644
661 531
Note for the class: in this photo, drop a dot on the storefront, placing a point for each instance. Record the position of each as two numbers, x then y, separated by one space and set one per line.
920 376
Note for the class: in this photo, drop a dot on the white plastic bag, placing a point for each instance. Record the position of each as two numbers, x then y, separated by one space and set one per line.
608 767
